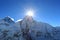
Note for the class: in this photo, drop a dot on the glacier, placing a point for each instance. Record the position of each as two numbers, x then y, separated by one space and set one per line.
27 29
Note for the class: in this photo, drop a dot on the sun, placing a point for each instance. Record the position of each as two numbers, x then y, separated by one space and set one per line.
30 13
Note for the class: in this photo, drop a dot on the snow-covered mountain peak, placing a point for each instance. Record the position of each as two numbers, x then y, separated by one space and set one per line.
8 19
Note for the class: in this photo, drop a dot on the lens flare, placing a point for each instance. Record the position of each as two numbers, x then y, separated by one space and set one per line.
30 13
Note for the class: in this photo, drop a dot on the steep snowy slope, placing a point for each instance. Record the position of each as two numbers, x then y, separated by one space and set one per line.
34 25
56 33
34 28
6 22
8 29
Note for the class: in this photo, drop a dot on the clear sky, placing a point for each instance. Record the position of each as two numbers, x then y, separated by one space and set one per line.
44 10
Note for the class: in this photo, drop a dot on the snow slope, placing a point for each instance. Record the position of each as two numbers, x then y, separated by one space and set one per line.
27 29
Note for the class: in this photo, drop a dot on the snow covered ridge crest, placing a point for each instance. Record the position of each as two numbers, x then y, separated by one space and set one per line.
27 29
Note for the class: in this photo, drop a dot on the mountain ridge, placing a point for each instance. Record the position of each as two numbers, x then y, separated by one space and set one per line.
27 29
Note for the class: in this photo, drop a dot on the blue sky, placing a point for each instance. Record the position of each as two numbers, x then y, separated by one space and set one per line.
45 10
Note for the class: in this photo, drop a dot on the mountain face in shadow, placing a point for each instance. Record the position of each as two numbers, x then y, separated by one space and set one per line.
27 29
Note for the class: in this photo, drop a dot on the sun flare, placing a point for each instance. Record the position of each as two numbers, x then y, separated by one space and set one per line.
30 13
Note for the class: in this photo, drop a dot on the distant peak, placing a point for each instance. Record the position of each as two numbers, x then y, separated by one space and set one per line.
8 19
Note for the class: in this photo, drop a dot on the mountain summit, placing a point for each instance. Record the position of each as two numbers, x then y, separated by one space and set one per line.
28 18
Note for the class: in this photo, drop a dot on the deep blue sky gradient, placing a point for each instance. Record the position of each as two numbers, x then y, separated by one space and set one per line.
45 10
